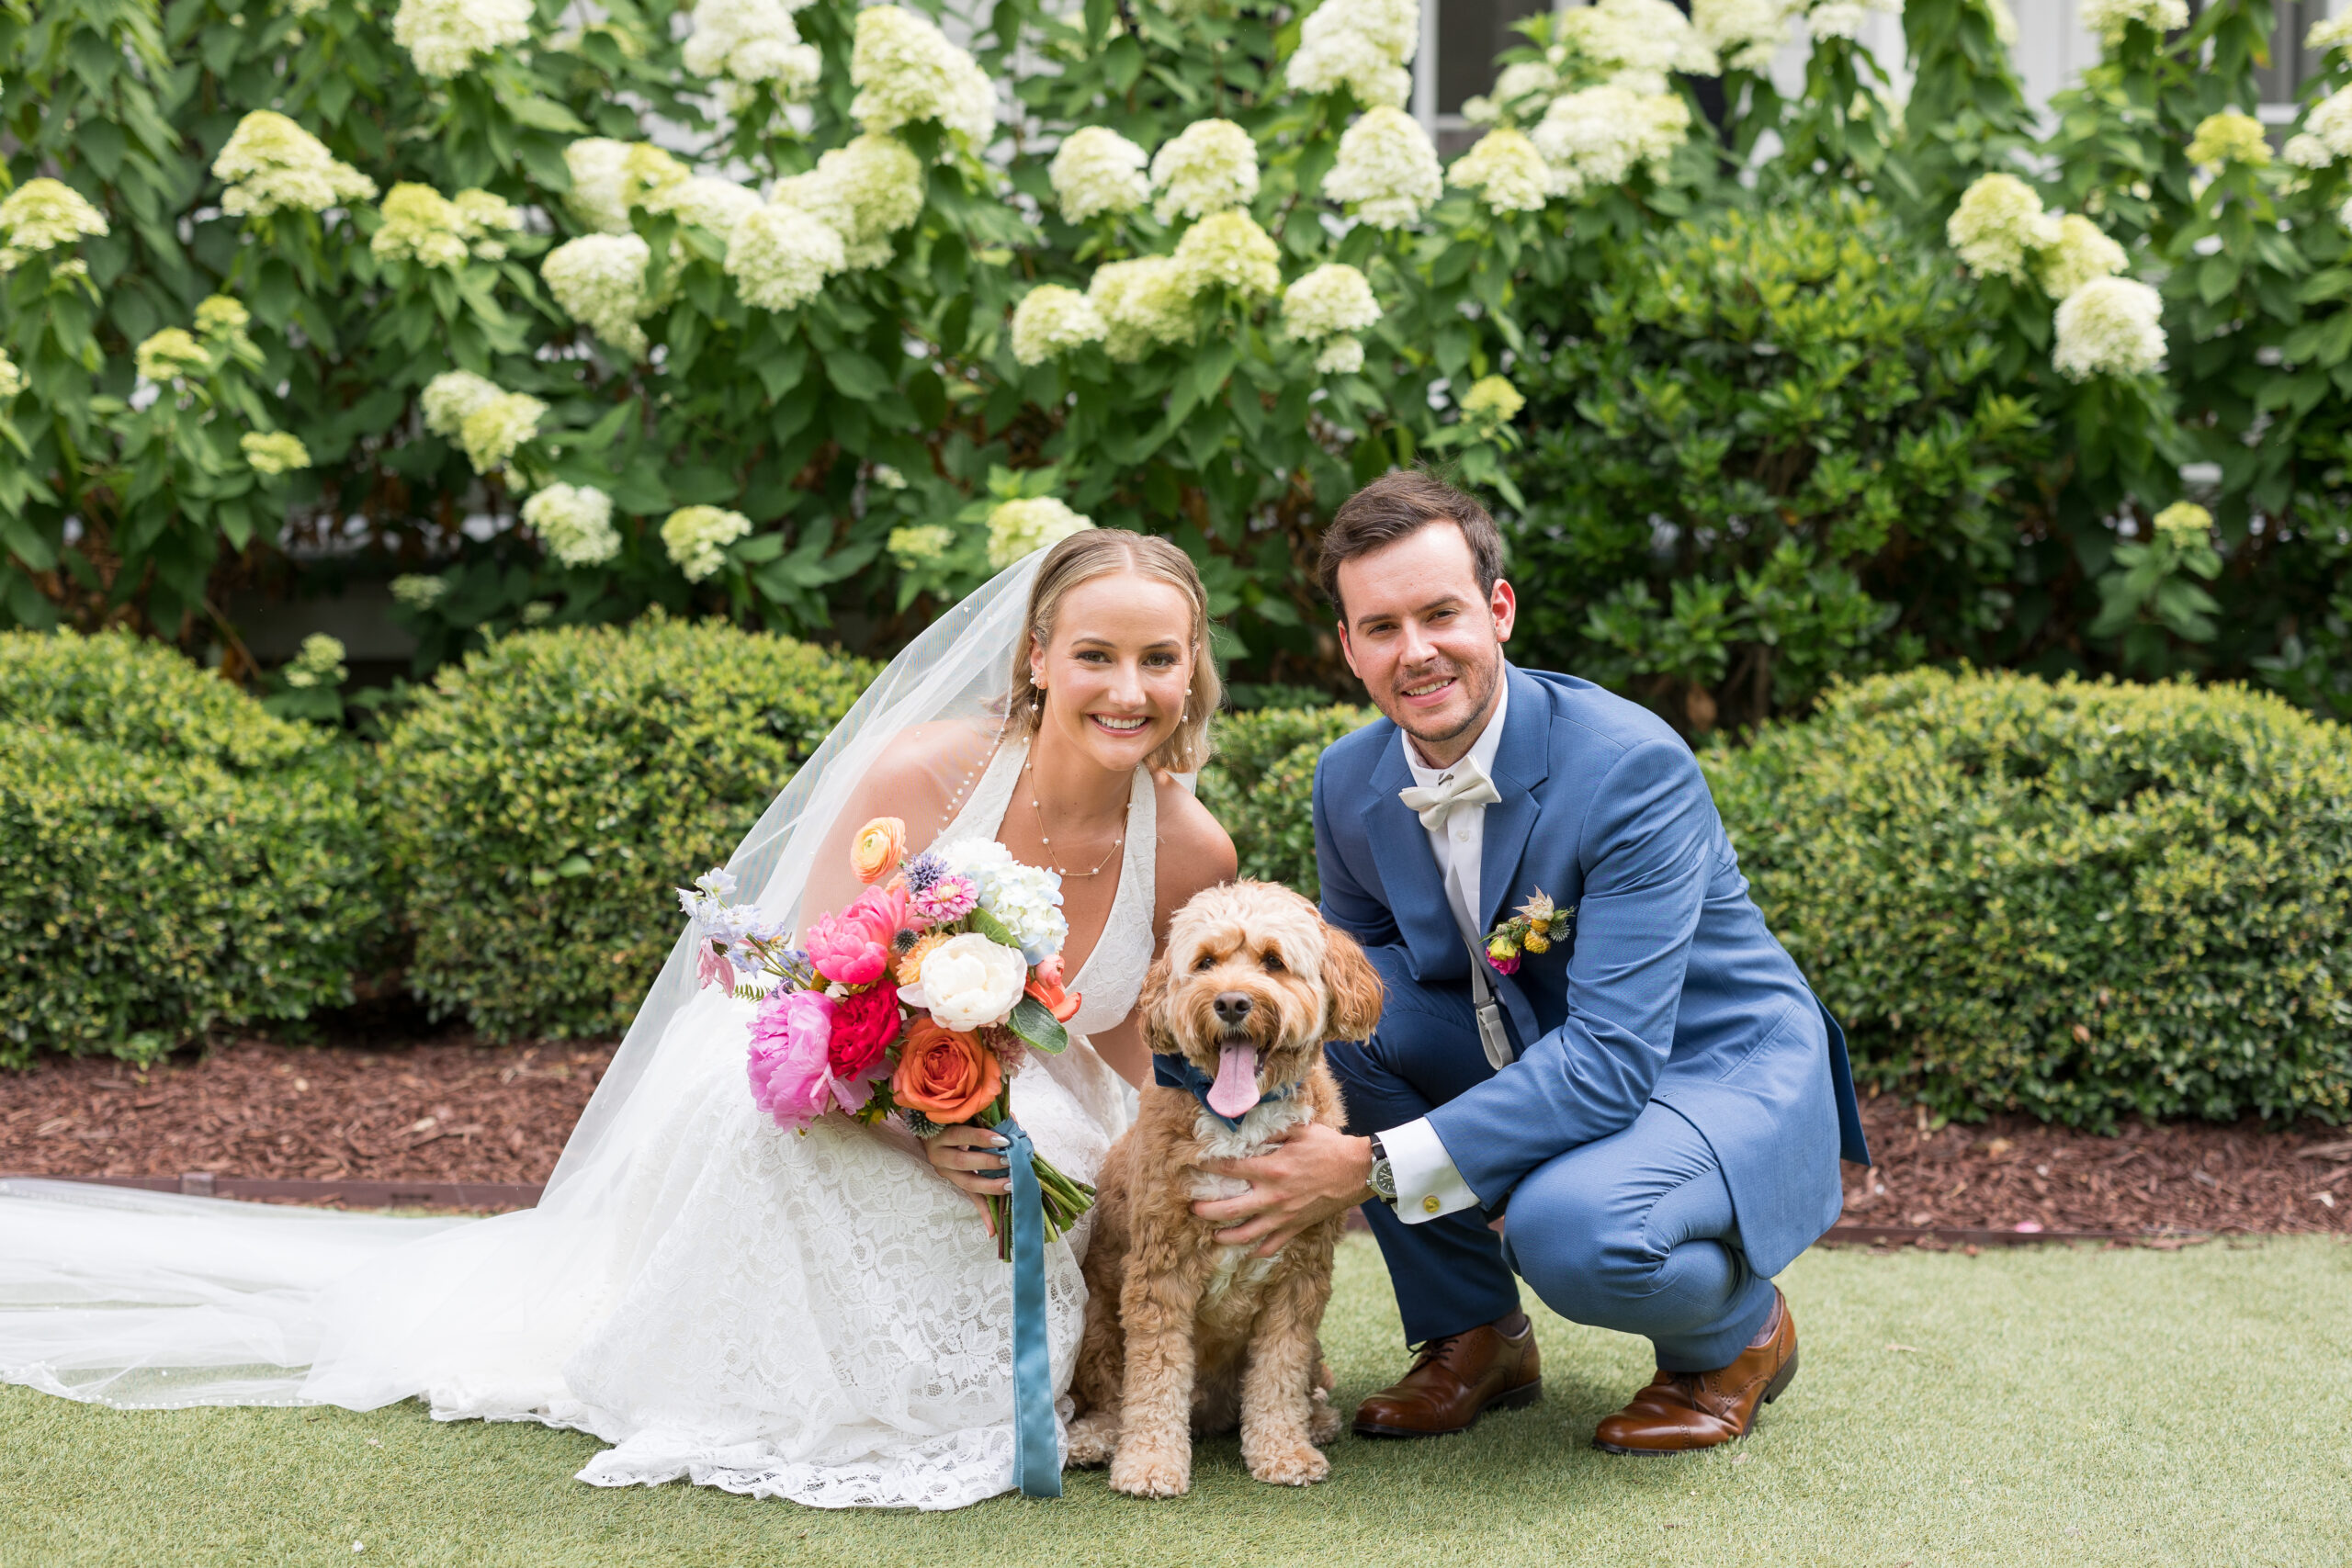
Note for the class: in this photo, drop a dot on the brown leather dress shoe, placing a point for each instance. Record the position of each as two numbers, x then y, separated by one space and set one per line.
1681 1411
1456 1379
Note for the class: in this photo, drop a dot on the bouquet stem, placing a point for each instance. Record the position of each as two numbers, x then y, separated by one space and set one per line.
1064 1198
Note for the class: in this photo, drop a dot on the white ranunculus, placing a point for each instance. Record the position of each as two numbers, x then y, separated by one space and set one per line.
969 982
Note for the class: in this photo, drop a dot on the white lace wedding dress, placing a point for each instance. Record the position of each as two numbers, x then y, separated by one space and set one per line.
818 1317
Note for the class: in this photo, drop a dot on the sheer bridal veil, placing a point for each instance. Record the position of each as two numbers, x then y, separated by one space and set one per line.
152 1300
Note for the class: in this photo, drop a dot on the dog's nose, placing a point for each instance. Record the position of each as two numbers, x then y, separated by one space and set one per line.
1231 1008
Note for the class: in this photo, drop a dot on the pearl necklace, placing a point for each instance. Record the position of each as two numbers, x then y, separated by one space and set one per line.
1028 766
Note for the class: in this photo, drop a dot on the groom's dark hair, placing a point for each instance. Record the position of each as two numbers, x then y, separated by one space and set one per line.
1402 502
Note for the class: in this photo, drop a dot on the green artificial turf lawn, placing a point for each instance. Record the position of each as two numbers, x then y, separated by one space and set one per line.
2046 1406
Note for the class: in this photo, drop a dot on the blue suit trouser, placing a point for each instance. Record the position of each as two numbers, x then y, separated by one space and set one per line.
1635 1231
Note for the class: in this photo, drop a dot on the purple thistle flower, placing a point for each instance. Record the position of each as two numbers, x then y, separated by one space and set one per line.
923 871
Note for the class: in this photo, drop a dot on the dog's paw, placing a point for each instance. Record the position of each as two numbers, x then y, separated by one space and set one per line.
1300 1466
1323 1419
1094 1440
1145 1474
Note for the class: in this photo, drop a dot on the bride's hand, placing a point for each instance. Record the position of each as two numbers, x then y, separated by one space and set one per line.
973 1159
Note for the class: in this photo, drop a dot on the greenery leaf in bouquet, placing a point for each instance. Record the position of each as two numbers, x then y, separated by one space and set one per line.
1038 1028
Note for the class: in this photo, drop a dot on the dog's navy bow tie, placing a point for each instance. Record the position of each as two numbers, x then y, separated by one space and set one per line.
1178 1072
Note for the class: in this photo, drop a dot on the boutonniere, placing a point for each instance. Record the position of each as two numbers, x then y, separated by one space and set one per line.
1534 927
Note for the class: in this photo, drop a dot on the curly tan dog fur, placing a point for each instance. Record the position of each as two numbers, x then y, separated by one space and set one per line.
1185 1333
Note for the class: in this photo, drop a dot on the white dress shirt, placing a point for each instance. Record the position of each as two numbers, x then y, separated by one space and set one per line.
1428 1185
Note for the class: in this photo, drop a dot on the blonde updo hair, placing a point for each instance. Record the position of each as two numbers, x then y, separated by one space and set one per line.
1104 552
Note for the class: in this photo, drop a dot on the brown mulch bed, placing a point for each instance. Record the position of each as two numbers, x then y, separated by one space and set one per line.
448 1110
2011 1172
452 1110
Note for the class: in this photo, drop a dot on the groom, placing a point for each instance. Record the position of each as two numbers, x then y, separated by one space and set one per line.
1645 1123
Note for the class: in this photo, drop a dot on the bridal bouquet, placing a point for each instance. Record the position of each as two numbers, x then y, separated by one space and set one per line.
920 1000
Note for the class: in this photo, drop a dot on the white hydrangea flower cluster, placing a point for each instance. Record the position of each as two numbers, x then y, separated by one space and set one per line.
420 224
1637 41
1095 171
1523 89
1506 170
707 202
2331 121
274 452
2108 19
2082 253
272 164
575 523
1051 320
599 279
1026 900
749 42
415 591
1491 402
2111 326
488 422
41 215
1228 250
609 177
867 191
12 380
169 354
1999 226
1744 34
1844 18
318 662
2304 151
2005 23
2230 136
1329 306
1144 304
2183 524
218 316
780 257
1017 528
906 71
920 545
697 537
1387 168
1207 167
2329 35
1597 137
445 37
1362 45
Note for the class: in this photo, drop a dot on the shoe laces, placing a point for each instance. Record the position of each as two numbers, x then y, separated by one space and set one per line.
1432 1349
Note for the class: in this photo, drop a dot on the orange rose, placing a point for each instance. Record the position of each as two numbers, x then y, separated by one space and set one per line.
880 845
944 1073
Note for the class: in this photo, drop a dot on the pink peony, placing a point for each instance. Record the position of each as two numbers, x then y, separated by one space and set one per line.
863 1027
853 948
790 1068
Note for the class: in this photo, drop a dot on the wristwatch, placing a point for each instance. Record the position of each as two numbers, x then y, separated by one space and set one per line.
1383 1179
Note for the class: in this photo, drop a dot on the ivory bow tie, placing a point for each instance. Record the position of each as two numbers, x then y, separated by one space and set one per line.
1466 785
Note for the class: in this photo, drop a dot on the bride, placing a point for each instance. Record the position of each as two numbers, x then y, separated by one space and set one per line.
820 1316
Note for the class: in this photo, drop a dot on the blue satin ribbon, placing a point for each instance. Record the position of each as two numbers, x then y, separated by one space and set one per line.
1037 1445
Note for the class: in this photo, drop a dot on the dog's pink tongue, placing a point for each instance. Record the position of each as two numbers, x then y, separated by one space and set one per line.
1236 1089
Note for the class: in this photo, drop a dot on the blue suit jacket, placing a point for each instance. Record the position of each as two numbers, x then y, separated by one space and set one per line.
1670 988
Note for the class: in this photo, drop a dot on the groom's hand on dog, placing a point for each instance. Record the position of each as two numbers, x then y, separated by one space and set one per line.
1313 1173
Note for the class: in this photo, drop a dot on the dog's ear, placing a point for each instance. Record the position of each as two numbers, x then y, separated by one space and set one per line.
1354 985
1151 1008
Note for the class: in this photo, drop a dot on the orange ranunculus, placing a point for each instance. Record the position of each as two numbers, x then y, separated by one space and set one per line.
878 848
945 1074
1046 985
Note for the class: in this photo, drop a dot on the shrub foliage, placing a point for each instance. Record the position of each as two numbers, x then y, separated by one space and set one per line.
172 858
2078 901
542 800
1260 785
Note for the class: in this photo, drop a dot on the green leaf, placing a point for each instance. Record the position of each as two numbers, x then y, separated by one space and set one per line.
1037 1026
989 926
854 375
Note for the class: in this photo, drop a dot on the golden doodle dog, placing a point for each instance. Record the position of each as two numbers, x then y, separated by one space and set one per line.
1185 1334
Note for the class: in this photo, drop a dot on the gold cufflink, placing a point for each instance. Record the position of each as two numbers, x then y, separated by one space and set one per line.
1429 1206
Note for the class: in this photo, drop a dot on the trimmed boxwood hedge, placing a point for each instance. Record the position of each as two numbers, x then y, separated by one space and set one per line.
541 802
2076 901
172 858
1260 785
